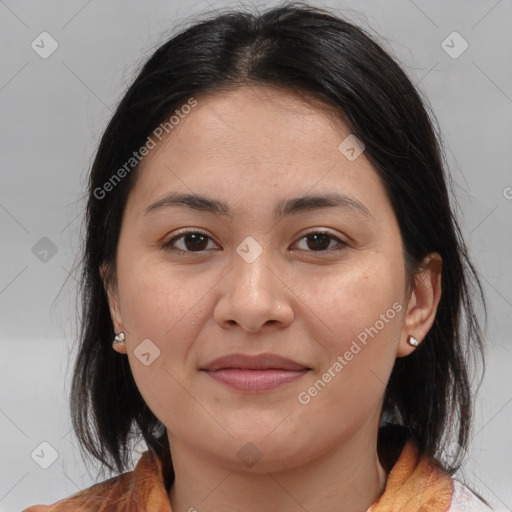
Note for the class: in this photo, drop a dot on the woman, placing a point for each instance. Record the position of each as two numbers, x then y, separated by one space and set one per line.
275 290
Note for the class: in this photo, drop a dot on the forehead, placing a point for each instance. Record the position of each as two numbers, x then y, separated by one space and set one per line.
260 123
260 139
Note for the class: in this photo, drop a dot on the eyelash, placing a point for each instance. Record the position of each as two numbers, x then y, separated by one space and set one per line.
168 246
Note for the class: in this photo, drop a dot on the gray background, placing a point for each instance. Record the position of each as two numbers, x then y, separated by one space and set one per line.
53 112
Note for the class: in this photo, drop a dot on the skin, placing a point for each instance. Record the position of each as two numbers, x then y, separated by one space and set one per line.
251 148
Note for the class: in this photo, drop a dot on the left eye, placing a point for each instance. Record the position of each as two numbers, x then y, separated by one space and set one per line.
322 240
194 241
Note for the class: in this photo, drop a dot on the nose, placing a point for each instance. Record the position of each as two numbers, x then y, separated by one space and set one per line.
255 296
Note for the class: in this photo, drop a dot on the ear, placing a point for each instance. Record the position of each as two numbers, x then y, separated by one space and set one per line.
422 304
110 285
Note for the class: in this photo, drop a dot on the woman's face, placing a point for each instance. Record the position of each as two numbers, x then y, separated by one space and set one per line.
255 279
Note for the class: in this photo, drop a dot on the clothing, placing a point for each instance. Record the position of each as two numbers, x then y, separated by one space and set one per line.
463 500
413 485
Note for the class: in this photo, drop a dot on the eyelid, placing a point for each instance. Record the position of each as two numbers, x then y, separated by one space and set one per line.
341 243
168 245
323 231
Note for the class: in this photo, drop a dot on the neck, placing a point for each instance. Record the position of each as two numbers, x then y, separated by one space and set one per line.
349 478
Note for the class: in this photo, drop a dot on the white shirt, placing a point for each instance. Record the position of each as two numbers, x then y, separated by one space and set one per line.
463 500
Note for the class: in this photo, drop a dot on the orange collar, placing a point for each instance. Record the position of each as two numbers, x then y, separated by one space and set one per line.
414 484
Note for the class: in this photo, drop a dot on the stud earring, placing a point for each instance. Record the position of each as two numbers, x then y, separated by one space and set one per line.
119 339
412 341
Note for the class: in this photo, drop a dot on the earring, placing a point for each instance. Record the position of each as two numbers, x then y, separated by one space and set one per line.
119 339
412 341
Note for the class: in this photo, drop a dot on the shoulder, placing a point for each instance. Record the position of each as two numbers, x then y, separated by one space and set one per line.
464 500
93 498
144 488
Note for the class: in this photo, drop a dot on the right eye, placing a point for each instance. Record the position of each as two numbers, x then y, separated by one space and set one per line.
191 241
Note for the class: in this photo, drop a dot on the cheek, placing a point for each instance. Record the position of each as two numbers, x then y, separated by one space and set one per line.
157 297
160 307
356 317
348 300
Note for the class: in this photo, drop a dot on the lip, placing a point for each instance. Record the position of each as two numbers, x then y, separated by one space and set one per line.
265 361
255 380
259 373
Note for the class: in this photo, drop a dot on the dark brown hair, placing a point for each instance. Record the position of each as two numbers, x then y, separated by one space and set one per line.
298 48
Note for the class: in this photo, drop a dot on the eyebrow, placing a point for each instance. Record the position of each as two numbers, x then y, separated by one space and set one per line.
283 208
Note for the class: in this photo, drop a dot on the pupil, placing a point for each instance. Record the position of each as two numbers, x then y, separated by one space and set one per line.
321 241
196 241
